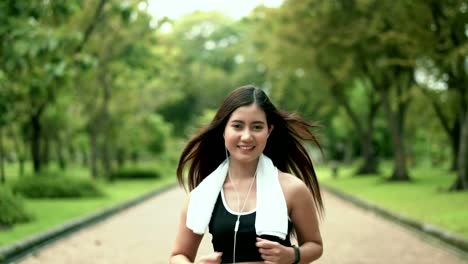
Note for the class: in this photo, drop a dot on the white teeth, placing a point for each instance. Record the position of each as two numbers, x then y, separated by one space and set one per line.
245 147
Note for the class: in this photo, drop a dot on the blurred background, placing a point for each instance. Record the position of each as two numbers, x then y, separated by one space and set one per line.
97 97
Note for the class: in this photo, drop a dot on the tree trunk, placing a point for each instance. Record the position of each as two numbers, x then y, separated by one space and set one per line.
35 142
135 157
461 183
94 149
348 154
45 151
92 25
455 145
69 148
19 149
370 164
455 69
59 152
452 131
400 172
105 125
22 161
2 158
365 135
105 159
84 156
459 82
120 158
396 122
100 125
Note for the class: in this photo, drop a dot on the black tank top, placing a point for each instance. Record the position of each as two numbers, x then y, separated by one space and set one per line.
221 228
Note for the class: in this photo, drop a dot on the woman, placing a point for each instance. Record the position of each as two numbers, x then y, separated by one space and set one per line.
252 185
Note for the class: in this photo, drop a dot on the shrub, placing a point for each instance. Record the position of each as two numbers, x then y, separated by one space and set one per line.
12 208
50 186
136 173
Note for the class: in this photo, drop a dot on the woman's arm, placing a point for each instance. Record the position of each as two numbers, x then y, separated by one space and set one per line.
304 217
186 242
303 214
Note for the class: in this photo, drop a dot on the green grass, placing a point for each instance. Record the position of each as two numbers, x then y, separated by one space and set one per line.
50 213
424 199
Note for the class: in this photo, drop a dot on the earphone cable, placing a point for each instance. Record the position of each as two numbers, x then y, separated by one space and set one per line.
240 210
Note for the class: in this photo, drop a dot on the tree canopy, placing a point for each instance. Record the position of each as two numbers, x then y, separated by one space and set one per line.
103 82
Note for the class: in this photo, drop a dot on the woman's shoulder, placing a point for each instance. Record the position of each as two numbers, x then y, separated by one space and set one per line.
294 189
290 183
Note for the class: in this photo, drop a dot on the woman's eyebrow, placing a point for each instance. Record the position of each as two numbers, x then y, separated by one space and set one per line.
258 123
241 121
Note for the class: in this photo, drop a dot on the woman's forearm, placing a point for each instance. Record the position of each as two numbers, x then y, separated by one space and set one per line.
310 251
179 259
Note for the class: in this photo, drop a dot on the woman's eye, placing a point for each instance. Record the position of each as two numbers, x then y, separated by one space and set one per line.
258 127
237 126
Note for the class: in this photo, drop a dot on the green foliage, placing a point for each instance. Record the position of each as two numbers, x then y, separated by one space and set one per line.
201 121
136 173
203 54
115 99
311 56
159 133
426 198
50 213
56 186
205 118
12 208
6 100
180 111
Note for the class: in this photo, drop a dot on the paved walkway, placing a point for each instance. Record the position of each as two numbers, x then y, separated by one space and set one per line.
145 234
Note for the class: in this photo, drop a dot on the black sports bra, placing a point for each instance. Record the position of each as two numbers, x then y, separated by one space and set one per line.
221 227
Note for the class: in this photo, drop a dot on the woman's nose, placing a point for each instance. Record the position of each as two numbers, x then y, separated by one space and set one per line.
246 134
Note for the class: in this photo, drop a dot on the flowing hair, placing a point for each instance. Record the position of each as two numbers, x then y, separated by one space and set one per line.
285 145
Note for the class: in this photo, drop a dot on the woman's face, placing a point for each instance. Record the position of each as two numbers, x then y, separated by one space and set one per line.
246 133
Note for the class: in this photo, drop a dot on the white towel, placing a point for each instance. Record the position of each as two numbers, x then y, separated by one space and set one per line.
271 213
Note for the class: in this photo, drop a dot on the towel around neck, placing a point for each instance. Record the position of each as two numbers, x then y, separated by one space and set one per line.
272 213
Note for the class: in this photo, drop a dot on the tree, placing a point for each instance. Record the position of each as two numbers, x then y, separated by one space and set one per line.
437 40
121 85
448 24
206 52
37 53
327 41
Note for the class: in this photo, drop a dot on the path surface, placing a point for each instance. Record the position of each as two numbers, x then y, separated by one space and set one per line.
145 234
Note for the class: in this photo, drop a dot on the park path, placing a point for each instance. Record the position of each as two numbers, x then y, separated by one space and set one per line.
145 234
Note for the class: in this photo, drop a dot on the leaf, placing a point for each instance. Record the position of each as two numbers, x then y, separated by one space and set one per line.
59 69
21 48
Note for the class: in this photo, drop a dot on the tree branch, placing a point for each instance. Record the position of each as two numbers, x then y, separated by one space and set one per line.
89 30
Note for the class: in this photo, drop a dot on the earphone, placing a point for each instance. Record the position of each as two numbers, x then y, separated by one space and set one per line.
236 226
240 210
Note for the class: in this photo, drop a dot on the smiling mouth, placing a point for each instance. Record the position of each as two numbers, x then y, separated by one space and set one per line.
246 147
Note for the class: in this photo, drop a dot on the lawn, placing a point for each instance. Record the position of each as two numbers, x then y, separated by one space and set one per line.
424 199
50 213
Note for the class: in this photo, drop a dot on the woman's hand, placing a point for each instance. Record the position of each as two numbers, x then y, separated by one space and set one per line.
214 258
273 252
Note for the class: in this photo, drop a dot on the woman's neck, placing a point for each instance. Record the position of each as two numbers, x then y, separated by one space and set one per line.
240 170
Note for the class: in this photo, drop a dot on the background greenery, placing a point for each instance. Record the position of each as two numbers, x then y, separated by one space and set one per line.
425 199
101 91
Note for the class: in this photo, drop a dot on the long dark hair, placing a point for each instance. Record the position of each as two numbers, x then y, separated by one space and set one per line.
285 145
